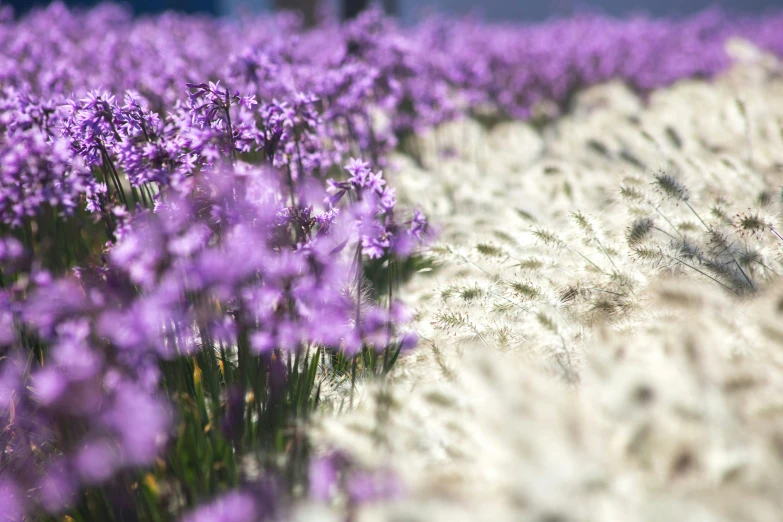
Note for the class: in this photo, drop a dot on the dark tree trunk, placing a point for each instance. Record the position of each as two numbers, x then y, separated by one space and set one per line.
308 9
351 8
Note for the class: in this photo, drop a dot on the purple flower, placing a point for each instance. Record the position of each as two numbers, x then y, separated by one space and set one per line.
323 476
418 225
376 246
11 500
96 460
57 488
234 506
140 423
363 487
408 341
336 474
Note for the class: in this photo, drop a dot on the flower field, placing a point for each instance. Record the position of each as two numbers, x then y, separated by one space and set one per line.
455 271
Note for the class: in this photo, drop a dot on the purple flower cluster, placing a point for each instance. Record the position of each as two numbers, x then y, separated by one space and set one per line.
234 506
380 235
277 274
247 504
82 410
226 264
335 477
37 166
309 99
183 259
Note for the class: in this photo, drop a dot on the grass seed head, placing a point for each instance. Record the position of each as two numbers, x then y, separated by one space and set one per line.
639 230
671 187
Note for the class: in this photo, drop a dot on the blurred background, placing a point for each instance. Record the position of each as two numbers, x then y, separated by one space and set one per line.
410 10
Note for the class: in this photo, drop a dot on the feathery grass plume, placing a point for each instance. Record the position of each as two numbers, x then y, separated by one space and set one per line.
531 263
527 216
505 338
688 248
489 250
639 231
465 292
552 240
547 322
688 226
547 237
457 323
471 293
650 254
525 289
754 260
719 211
591 233
673 136
670 186
765 198
505 237
584 223
745 253
632 189
753 223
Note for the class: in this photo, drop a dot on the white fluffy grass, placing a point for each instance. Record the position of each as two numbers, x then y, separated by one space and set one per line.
562 374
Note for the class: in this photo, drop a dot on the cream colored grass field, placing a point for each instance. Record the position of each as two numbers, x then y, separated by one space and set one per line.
603 331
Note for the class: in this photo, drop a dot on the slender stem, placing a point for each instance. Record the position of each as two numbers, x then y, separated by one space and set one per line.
605 253
662 231
697 215
390 298
358 312
585 258
703 273
665 219
727 248
605 291
230 132
291 185
115 176
772 229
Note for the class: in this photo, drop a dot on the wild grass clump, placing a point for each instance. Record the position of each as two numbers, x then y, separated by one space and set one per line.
619 341
732 252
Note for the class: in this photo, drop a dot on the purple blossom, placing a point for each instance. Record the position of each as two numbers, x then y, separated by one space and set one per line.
336 474
39 171
323 476
234 506
12 500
